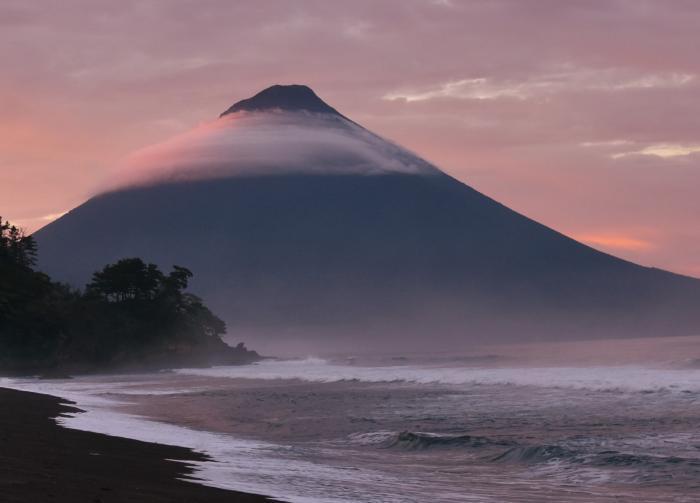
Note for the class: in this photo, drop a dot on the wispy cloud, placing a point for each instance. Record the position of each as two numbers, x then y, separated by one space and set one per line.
487 88
52 216
32 223
357 30
477 89
663 150
606 143
267 143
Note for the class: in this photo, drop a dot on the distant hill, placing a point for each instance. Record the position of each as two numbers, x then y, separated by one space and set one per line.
304 227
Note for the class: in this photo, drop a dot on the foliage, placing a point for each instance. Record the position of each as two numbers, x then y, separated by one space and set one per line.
128 280
130 310
15 247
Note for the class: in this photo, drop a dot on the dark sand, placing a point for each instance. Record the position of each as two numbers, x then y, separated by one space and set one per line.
43 462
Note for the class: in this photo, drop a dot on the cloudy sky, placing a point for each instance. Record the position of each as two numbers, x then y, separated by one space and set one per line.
584 115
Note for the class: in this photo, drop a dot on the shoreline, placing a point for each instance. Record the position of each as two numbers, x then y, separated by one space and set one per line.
44 461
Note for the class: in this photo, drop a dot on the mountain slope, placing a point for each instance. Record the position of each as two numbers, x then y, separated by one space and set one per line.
300 224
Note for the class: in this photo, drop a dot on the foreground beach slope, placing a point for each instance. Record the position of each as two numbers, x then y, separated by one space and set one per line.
43 462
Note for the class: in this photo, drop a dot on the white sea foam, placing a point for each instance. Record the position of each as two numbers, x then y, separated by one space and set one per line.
620 378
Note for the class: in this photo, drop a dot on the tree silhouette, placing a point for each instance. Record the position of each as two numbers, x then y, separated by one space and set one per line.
16 248
130 312
129 279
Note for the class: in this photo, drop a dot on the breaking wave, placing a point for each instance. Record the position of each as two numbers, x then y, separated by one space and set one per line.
532 454
536 454
421 441
599 378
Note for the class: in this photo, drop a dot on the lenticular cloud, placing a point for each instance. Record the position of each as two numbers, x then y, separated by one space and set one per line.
268 143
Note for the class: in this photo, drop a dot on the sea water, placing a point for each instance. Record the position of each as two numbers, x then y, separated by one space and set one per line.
319 430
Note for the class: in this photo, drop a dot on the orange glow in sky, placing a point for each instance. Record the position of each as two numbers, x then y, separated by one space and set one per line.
613 242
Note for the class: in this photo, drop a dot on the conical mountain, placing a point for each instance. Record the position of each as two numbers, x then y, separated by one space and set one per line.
302 226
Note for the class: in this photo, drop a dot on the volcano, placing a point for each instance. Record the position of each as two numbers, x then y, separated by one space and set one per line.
302 226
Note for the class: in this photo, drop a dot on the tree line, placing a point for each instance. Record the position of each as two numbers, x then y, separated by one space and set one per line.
130 313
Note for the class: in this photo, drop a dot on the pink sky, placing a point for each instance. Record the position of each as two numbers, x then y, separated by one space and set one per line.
584 115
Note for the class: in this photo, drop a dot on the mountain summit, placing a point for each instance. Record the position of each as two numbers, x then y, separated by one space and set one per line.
283 97
306 227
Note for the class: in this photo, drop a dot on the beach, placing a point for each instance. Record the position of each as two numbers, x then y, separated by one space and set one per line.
44 462
546 423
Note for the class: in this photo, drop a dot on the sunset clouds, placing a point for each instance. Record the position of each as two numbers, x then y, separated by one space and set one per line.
584 115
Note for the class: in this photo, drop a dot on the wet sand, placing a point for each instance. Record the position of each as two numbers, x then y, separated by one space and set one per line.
43 462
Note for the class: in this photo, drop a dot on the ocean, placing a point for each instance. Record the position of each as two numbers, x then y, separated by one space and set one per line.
483 426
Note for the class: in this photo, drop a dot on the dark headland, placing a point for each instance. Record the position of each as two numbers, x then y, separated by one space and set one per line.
131 316
44 462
